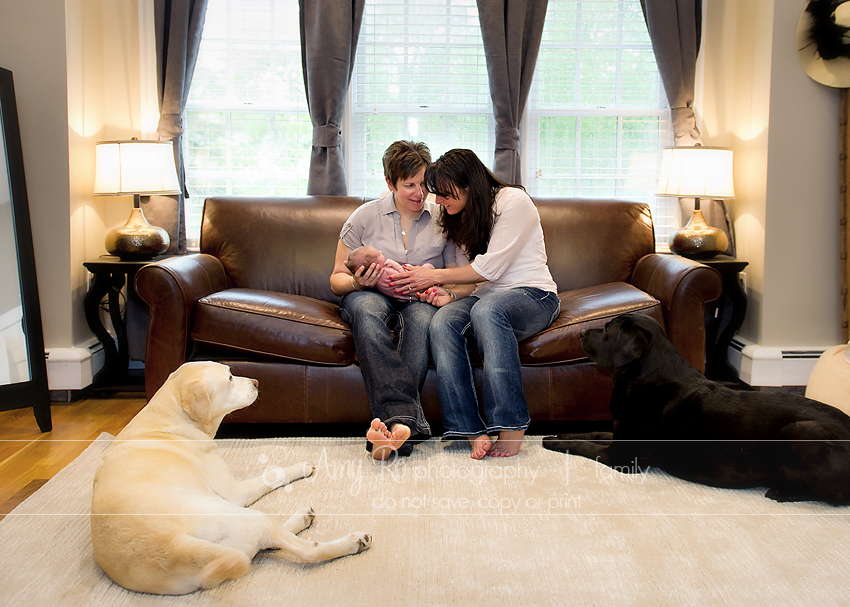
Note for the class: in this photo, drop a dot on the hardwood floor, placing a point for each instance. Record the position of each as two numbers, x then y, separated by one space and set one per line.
28 458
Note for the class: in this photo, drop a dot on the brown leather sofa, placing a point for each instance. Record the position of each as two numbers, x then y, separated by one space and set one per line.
257 297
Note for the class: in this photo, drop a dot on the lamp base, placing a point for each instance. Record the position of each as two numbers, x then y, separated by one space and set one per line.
137 240
698 239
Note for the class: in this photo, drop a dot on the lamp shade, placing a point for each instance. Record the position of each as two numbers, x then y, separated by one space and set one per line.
696 172
135 167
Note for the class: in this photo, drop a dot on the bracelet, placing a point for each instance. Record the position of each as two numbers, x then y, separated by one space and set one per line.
354 283
453 295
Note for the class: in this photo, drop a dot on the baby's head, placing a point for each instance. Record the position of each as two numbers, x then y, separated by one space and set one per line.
364 256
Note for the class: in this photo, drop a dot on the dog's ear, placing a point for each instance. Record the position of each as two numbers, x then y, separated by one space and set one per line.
196 401
631 343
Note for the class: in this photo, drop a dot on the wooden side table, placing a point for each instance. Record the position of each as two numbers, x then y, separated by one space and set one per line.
110 276
724 317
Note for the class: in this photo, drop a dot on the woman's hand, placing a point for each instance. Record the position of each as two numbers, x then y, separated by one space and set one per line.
366 278
414 279
436 296
386 288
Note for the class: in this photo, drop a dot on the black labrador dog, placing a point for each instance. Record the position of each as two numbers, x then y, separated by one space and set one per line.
666 414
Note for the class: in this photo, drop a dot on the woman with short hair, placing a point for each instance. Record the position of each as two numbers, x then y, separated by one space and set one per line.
391 331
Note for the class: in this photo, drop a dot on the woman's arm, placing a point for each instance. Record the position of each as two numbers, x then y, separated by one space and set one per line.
343 281
440 296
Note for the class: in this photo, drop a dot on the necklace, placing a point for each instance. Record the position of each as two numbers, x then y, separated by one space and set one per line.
404 233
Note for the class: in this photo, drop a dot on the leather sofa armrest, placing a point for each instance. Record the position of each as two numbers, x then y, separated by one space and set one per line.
683 286
172 288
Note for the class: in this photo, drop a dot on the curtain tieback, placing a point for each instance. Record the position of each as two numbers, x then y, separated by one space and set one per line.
170 126
507 138
327 136
685 131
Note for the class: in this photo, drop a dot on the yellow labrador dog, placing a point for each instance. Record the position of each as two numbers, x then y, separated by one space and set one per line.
168 517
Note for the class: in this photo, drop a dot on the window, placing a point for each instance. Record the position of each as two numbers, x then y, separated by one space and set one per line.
419 74
595 123
597 117
247 126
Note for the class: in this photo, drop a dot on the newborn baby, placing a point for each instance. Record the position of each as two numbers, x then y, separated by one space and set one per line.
365 256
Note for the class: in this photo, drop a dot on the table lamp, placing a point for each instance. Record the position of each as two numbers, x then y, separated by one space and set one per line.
140 168
697 172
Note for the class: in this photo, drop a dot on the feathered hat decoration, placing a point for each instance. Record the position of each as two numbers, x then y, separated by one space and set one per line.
823 42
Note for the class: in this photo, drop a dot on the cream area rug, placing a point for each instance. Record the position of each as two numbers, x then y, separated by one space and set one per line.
541 528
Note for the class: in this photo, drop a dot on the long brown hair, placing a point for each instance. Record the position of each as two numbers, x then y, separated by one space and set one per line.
461 170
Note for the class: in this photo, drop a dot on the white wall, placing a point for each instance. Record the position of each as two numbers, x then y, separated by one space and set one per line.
784 129
80 79
77 70
32 46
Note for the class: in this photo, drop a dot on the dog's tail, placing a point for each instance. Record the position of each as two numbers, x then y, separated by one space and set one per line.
229 564
200 564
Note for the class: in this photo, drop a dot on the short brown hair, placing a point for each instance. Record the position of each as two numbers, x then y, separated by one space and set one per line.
403 159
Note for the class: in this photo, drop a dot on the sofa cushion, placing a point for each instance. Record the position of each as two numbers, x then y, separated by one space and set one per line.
587 308
277 325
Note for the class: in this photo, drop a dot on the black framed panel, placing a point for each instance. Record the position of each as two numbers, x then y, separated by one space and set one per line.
29 387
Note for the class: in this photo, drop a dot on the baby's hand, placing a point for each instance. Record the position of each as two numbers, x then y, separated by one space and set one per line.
436 296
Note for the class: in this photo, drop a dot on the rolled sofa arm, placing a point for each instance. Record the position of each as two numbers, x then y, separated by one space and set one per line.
683 286
171 288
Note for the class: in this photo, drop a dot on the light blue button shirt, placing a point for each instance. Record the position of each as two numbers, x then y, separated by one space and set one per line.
377 223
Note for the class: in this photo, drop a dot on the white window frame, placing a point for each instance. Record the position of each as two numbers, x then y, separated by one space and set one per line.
358 168
353 140
663 209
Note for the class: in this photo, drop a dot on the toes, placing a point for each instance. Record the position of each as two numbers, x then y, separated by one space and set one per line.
378 426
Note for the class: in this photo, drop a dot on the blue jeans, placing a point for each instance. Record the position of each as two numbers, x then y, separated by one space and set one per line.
393 366
498 321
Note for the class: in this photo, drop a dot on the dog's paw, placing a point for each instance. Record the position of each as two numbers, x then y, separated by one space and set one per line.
361 541
783 495
278 477
304 470
558 443
305 517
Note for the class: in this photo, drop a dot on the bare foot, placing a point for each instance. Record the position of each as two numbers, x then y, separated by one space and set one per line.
508 444
480 445
384 441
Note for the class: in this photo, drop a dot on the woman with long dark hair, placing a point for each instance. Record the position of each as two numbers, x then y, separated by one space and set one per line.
504 294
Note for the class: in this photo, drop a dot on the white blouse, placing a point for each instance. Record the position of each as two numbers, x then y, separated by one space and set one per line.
516 254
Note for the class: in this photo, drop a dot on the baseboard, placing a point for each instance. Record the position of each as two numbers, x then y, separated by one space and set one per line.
74 368
764 366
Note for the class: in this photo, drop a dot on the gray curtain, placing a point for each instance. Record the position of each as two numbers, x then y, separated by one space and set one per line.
329 33
675 27
178 25
511 30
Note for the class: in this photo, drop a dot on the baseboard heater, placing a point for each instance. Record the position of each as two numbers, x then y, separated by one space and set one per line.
766 366
74 368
